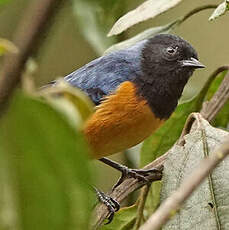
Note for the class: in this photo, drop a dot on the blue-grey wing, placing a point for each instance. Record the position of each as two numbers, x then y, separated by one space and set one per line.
103 75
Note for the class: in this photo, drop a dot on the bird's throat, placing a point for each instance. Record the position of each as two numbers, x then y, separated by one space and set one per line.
161 94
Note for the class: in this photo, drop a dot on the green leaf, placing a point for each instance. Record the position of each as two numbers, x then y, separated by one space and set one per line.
222 118
95 18
148 9
46 169
220 10
208 206
123 220
143 35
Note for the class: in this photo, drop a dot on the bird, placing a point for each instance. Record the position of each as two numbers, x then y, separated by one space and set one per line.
134 90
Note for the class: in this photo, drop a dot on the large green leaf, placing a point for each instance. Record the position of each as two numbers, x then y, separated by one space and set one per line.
95 19
46 169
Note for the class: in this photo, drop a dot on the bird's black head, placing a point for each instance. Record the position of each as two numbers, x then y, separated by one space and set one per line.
169 55
167 63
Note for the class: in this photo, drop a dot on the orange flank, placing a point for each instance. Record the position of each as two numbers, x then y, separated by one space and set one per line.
121 121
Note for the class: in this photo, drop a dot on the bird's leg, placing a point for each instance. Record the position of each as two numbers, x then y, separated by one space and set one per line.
139 174
111 204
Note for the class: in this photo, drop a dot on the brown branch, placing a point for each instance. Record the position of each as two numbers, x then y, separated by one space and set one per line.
29 33
171 204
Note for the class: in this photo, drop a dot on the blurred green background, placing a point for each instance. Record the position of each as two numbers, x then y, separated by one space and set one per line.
65 49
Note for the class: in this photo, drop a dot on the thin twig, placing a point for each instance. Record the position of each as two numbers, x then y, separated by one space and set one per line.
197 10
28 35
172 204
141 205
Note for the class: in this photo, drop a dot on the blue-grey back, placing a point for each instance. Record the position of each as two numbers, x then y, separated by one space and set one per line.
103 75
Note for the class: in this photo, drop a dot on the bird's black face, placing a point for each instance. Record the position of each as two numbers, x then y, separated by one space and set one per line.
167 63
169 54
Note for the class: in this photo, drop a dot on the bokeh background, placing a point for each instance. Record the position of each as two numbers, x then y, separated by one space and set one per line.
64 48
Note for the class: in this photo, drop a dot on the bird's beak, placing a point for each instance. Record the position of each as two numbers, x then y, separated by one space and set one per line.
192 62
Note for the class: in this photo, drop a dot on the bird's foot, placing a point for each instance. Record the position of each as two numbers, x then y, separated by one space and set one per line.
111 204
140 174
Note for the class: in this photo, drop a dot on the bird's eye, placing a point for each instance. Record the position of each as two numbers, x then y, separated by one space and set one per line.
171 50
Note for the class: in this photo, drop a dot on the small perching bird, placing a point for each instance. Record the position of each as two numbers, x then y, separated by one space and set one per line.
135 91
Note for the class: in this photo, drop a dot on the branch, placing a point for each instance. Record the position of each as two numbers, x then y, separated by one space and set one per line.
27 36
170 205
130 185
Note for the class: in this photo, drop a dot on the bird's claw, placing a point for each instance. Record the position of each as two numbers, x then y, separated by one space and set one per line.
111 204
139 174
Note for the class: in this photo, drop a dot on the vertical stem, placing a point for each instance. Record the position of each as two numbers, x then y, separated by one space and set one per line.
141 204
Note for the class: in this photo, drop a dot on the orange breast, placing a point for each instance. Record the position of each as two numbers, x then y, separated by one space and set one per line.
121 121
